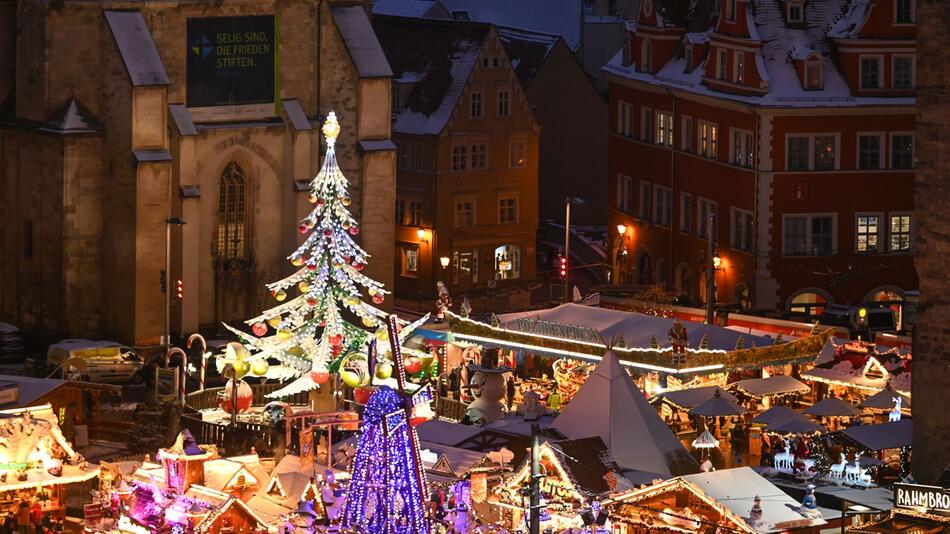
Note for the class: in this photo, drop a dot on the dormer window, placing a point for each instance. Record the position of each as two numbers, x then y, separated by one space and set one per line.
738 67
904 11
795 13
646 53
731 10
688 56
721 65
813 75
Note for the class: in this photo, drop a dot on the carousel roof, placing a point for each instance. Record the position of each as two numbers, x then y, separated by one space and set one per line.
610 406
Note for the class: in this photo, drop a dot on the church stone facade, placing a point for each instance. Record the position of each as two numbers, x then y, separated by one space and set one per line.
117 116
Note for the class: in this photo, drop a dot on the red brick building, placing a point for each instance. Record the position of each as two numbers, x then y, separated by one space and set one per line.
791 122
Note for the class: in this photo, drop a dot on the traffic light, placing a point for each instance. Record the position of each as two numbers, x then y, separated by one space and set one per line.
861 317
180 289
562 267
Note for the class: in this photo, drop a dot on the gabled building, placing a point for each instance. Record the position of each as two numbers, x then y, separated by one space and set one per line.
467 163
783 129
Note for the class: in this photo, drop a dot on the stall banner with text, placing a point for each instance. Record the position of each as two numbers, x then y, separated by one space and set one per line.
928 499
231 60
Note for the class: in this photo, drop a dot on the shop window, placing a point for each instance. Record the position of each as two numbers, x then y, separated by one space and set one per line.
507 262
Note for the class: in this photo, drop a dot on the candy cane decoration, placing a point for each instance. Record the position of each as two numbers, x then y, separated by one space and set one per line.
184 369
204 358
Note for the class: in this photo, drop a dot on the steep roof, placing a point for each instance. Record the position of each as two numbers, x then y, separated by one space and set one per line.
361 41
527 51
135 44
609 405
437 58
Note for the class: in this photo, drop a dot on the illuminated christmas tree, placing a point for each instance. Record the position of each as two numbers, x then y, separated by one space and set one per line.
387 488
309 333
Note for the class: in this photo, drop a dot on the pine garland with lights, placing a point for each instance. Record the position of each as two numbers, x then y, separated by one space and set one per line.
309 334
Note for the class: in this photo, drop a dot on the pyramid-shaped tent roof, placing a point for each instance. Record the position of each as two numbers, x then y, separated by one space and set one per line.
611 406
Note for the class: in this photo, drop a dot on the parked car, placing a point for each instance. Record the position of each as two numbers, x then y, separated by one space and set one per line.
102 361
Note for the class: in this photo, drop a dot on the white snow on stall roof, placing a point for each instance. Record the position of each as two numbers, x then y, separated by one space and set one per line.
775 63
556 17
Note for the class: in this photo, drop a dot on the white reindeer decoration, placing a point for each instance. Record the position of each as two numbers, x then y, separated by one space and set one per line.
837 470
855 474
783 460
895 414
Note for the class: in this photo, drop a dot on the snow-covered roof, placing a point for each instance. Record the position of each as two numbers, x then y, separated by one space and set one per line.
863 365
445 432
31 390
459 460
445 52
775 61
610 406
554 17
527 50
736 489
692 397
852 21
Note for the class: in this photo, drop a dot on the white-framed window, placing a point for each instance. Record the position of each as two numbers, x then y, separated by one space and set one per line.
475 104
504 98
646 56
646 128
795 13
812 152
625 193
662 205
867 232
810 234
743 230
409 212
900 231
722 64
517 151
826 152
797 154
624 111
464 212
688 140
645 200
902 150
708 139
902 71
870 150
742 148
705 208
686 212
905 11
738 67
507 209
479 156
459 157
664 128
731 10
688 57
814 79
410 260
870 71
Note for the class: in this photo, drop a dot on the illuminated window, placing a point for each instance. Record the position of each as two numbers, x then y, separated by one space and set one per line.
867 229
410 261
507 262
901 233
232 214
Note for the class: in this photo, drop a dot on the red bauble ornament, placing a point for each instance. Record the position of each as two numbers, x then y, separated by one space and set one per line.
311 266
361 394
358 266
320 201
378 299
259 329
335 339
320 376
244 397
311 302
412 364
303 228
354 229
327 232
336 350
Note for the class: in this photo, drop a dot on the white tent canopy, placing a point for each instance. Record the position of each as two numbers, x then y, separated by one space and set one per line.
611 406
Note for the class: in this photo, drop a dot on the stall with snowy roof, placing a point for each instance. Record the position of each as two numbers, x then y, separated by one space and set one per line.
37 463
857 369
731 500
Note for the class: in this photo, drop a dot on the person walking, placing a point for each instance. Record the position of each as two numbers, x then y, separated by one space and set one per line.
23 517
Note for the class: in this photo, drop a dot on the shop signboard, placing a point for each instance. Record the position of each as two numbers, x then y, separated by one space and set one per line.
926 499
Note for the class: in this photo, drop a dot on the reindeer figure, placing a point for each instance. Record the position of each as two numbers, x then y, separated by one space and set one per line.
895 414
783 460
837 470
853 472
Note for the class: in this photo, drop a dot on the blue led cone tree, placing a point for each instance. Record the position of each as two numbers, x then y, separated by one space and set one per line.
328 317
387 490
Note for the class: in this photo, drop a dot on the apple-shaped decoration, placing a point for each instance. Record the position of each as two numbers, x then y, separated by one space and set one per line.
259 368
336 350
354 229
280 295
283 334
259 329
303 228
352 300
361 394
378 299
412 364
320 375
296 261
350 378
274 321
384 370
358 266
235 351
312 198
368 321
327 232
345 201
245 396
312 302
311 267
335 339
303 287
320 201
241 368
382 334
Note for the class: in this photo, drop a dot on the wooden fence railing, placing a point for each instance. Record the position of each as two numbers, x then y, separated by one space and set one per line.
207 399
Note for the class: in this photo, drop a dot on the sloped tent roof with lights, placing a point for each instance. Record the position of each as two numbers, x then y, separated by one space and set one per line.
884 400
717 405
611 406
891 435
689 398
770 386
832 407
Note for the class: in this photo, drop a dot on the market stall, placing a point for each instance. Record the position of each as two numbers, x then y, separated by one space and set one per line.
857 369
767 391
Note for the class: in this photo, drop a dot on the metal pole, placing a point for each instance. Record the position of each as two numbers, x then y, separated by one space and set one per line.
567 248
710 271
844 514
534 511
168 269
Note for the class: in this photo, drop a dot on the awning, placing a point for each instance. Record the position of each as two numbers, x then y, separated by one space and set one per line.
718 405
883 436
832 407
687 399
769 387
784 420
884 400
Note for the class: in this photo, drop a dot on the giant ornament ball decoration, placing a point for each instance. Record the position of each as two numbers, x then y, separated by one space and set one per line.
245 396
259 329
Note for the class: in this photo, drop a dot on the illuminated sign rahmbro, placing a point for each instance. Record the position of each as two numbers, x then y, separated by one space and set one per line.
926 499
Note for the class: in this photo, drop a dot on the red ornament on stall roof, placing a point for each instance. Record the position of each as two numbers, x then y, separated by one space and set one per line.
354 229
259 329
335 339
378 299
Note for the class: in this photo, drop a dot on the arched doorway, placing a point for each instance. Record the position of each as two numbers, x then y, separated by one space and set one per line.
644 269
892 297
742 297
232 254
809 302
704 285
661 273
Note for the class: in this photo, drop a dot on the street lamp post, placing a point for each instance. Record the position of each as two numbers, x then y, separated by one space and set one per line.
176 221
621 252
567 243
710 268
